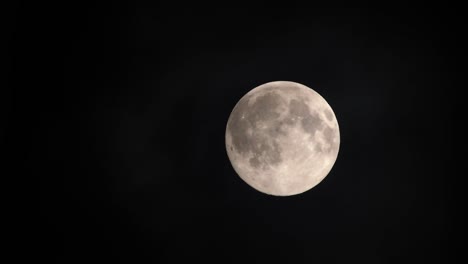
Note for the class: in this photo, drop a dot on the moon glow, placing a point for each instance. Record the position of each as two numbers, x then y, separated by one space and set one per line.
282 138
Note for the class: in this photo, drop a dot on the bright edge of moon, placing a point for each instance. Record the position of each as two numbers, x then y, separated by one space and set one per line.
282 138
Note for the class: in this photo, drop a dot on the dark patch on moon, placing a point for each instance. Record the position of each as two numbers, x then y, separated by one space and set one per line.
318 147
245 117
263 109
328 133
328 114
276 129
329 136
271 154
298 108
310 122
266 154
254 162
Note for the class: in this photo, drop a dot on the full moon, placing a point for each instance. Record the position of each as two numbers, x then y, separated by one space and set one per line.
282 138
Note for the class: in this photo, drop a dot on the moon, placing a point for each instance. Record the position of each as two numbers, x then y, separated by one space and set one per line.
282 138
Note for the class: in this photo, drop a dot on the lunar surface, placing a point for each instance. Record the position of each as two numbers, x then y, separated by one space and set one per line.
282 138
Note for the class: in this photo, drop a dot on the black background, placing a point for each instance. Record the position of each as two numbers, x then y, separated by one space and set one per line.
120 111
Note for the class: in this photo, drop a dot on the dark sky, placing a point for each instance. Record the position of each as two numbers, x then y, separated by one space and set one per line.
120 111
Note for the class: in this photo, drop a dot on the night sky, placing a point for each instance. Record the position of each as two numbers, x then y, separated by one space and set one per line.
120 112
